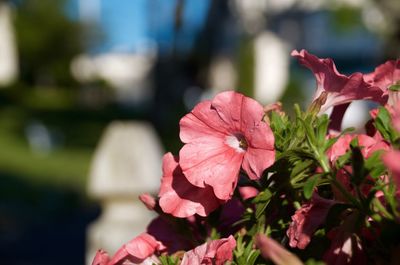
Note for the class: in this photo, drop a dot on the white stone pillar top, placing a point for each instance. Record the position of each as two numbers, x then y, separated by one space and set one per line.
127 161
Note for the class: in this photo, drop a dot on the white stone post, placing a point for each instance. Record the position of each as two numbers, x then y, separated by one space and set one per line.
8 51
126 163
271 69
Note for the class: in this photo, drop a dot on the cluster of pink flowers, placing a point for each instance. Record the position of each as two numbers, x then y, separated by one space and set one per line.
249 184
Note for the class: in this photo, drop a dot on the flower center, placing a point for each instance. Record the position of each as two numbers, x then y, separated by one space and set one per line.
237 141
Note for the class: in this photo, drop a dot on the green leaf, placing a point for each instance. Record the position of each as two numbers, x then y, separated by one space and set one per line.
168 260
252 257
374 165
300 167
383 125
309 132
262 200
395 87
322 129
309 186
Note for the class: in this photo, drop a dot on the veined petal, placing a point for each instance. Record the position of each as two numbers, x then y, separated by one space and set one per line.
256 161
202 121
340 88
228 105
251 114
259 136
216 252
137 250
385 75
217 166
179 197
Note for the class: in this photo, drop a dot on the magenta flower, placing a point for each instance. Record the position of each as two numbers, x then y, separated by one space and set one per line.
339 88
384 76
137 251
391 160
394 111
148 201
216 252
101 258
248 192
179 197
368 145
220 137
307 219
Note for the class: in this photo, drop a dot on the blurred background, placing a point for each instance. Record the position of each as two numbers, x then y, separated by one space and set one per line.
69 68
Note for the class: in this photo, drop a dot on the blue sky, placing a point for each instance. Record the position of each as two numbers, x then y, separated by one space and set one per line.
129 25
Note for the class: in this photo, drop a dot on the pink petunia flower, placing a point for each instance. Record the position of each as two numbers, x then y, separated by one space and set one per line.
384 76
221 136
306 221
139 250
368 145
391 160
394 111
216 252
179 197
101 258
148 200
336 87
248 192
270 249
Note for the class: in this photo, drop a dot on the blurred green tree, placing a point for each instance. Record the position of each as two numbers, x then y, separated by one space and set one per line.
47 41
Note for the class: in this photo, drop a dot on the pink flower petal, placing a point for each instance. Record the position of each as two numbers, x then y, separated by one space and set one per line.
211 163
247 192
179 197
202 121
137 250
229 107
217 136
368 145
391 160
101 258
270 249
384 76
340 88
216 252
340 147
306 221
256 161
148 200
395 113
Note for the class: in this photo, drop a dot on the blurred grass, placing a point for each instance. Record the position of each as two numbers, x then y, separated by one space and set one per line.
65 167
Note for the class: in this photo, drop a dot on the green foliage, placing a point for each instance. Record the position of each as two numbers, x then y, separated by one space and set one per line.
47 41
383 125
245 254
169 260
